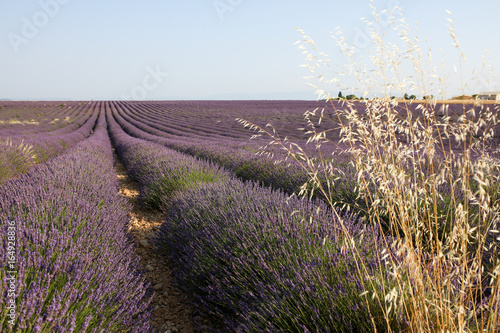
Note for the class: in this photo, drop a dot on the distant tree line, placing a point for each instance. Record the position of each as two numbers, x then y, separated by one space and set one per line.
354 97
347 97
406 96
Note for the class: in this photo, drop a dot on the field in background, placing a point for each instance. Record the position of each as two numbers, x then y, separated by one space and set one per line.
251 258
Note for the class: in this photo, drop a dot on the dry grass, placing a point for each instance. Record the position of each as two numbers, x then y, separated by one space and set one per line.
19 122
15 159
435 193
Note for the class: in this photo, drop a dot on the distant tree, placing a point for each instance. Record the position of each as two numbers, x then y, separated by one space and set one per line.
413 97
340 95
474 96
426 97
406 96
351 97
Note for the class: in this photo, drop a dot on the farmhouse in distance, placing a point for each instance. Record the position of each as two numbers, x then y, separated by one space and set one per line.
490 96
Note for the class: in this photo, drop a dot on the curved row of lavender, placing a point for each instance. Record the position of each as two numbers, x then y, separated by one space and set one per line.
17 158
254 259
244 164
207 122
47 145
237 156
186 120
74 262
213 120
28 118
161 172
287 176
20 117
217 118
259 261
198 127
74 121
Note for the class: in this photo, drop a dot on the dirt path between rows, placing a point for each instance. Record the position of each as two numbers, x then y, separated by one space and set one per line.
170 315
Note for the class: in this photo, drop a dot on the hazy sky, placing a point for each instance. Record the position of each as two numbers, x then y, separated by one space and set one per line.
214 49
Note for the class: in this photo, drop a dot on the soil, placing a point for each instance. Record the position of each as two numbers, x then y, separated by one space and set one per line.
170 313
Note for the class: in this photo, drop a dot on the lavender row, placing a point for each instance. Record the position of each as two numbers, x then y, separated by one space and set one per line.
183 120
167 129
186 126
248 166
78 130
288 176
75 269
219 116
20 153
258 261
239 158
252 262
71 122
37 117
161 172
17 117
205 118
243 163
223 297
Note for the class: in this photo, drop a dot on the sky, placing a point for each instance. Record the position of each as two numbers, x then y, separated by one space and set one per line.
229 49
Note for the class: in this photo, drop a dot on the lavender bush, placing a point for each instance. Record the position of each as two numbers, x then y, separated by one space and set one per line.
46 146
249 256
161 172
244 164
23 151
162 122
28 118
75 263
259 261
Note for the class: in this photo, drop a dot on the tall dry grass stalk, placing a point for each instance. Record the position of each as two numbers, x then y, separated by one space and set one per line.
426 177
15 158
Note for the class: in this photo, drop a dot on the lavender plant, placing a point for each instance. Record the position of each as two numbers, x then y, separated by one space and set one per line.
162 173
257 260
249 256
21 152
75 264
22 119
247 166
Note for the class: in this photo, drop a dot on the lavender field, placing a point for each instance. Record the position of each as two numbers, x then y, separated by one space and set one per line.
279 216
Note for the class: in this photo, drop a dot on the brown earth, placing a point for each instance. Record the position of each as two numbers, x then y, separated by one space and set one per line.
170 314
